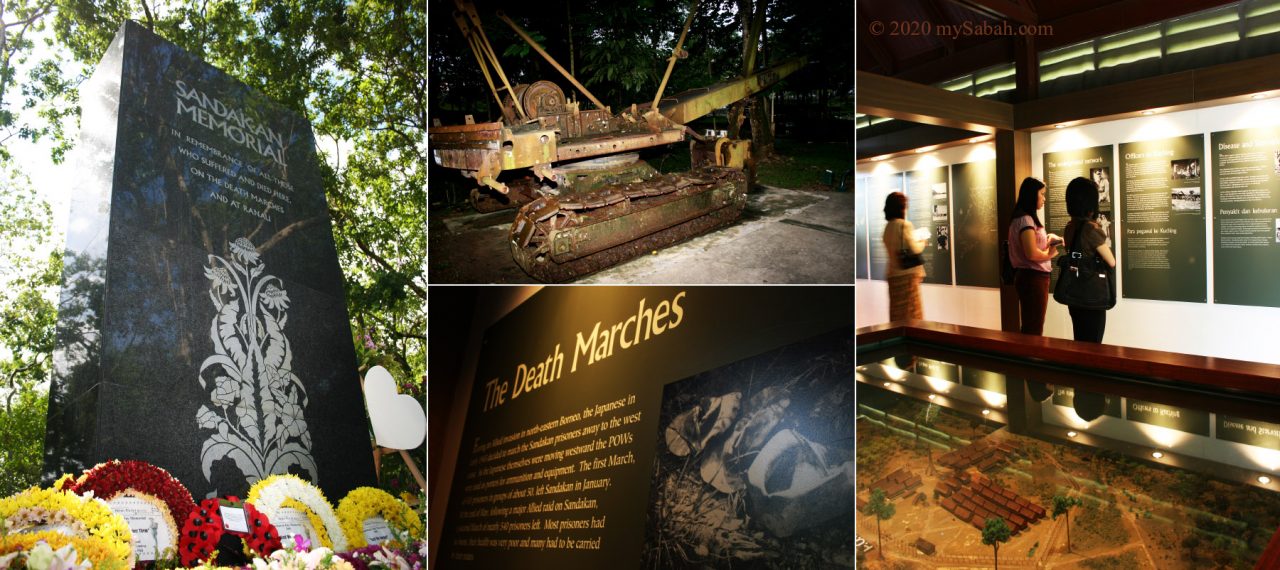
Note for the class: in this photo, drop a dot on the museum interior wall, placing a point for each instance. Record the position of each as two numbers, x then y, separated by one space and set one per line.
1229 322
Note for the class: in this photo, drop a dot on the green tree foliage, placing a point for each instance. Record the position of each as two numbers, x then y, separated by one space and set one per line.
883 510
28 278
994 532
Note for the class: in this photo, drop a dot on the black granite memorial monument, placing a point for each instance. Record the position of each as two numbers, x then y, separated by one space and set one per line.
202 323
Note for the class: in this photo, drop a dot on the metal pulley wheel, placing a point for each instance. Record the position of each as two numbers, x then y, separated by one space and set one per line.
541 99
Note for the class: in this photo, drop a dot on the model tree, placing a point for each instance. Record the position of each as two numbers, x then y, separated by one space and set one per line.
1062 505
883 511
995 532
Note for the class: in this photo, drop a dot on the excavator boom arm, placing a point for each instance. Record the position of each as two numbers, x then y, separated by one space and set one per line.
695 103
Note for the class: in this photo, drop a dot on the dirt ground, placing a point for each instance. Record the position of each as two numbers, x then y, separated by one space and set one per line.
783 236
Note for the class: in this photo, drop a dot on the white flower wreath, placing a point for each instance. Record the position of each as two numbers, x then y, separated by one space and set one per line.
270 495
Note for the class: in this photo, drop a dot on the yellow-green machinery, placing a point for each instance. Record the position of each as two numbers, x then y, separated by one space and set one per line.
590 202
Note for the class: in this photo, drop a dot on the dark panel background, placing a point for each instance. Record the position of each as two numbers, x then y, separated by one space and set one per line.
720 325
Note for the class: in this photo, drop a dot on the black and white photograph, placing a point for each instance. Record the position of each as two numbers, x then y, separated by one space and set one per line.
755 463
939 189
939 212
943 239
1102 177
1184 169
1185 200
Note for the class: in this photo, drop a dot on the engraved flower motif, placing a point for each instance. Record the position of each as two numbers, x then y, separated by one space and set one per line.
275 298
224 394
243 249
223 282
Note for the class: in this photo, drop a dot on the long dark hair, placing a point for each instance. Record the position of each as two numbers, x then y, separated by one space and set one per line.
1082 198
895 206
1028 195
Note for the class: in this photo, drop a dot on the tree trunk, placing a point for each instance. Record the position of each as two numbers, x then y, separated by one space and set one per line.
996 546
1068 530
879 541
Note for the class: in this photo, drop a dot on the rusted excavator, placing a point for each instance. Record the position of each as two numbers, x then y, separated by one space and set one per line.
590 202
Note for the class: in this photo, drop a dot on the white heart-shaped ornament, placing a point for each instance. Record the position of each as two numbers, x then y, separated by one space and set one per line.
398 420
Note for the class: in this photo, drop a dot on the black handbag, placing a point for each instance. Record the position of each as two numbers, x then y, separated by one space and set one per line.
907 259
1085 281
1006 264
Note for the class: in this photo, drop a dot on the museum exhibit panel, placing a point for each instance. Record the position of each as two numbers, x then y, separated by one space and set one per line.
1172 114
1170 457
652 427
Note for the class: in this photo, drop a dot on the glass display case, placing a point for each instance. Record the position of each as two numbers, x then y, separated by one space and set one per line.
1077 455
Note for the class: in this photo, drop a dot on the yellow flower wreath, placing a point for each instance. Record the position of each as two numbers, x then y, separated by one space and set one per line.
108 541
364 502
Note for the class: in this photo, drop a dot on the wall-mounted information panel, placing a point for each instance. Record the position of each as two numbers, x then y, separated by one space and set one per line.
878 187
929 209
1060 168
1162 185
976 235
1246 216
660 427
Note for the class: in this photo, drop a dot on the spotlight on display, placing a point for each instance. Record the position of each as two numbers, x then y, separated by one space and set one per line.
1157 454
1264 479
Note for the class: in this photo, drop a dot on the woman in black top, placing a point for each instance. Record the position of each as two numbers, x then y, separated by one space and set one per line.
1083 229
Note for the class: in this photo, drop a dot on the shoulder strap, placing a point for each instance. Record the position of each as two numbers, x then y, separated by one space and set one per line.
1075 238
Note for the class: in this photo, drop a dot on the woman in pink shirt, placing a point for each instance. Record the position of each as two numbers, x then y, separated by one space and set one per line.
1031 252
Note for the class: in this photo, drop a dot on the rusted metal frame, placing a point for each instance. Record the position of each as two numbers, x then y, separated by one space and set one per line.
610 145
469 10
717 96
533 44
473 43
671 61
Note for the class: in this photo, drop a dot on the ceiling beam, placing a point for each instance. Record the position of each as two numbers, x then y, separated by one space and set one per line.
1117 17
1205 87
878 51
1110 18
964 61
889 97
1002 10
939 18
910 138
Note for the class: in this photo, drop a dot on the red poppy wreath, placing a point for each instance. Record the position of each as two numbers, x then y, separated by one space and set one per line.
204 528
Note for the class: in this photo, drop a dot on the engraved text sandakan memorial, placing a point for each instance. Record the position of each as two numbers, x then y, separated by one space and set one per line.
202 324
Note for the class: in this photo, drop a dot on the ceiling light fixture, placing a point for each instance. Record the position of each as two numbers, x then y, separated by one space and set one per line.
1263 95
887 384
1148 113
1157 454
932 396
1060 126
976 139
986 412
1264 479
1072 434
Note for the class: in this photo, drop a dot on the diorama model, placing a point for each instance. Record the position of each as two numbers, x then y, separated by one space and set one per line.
941 489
